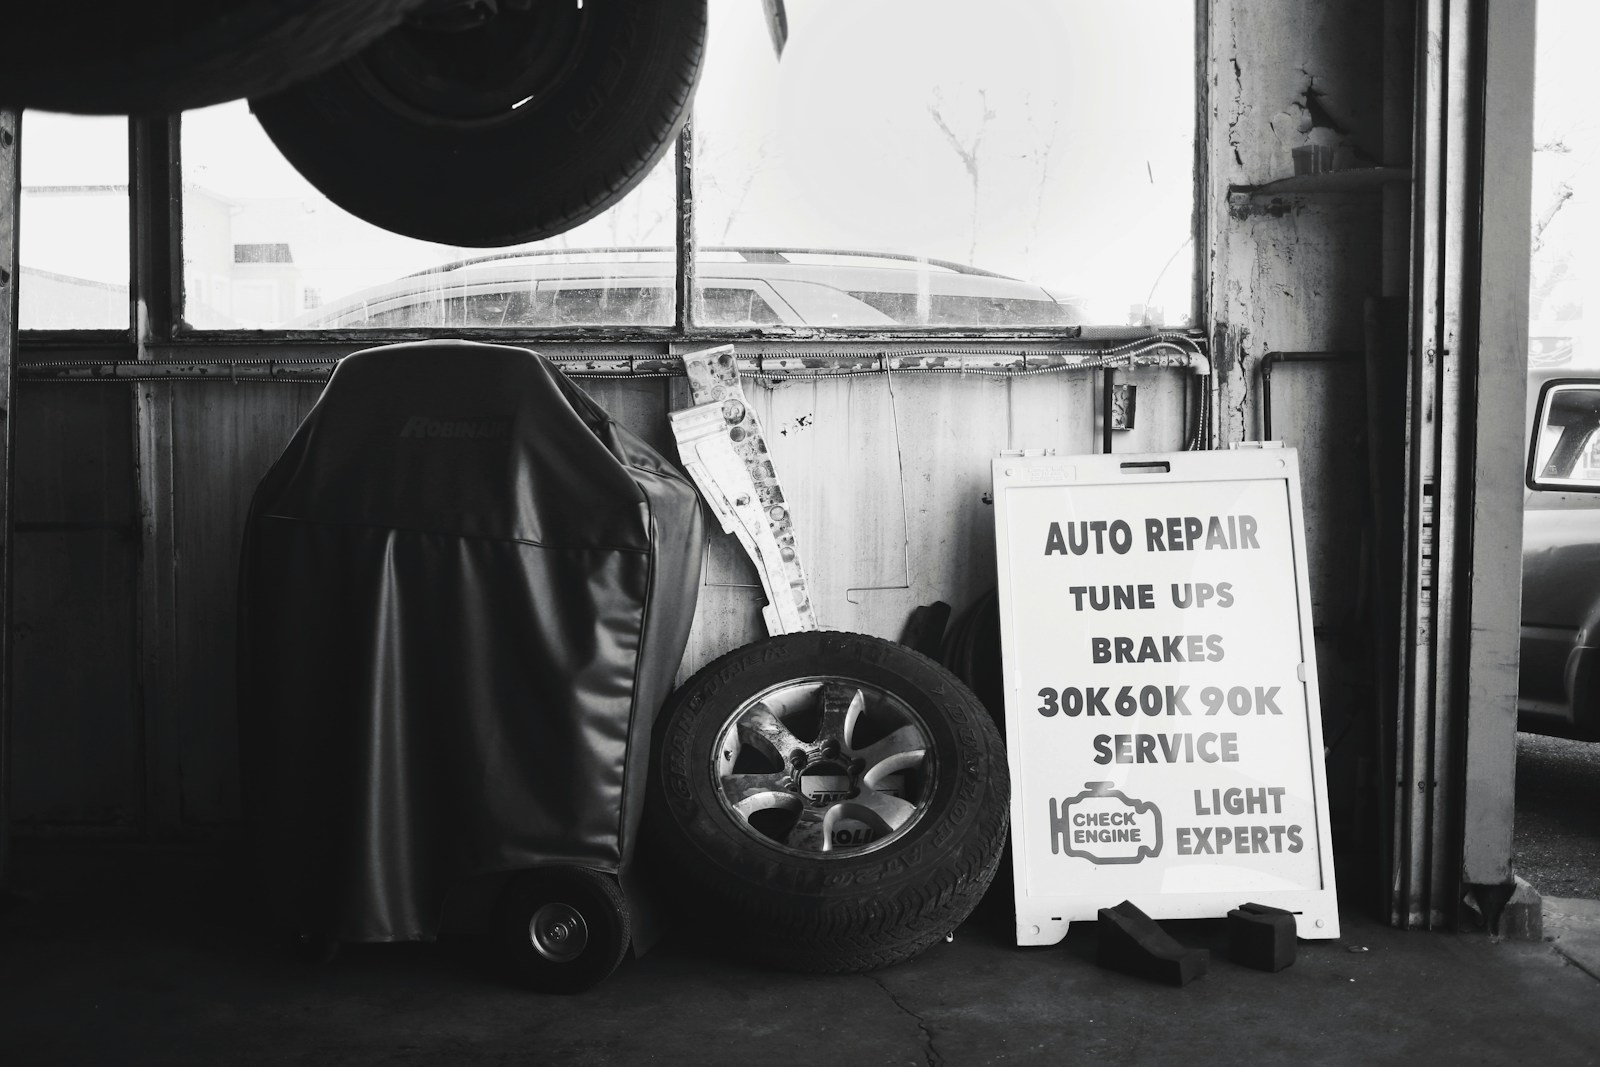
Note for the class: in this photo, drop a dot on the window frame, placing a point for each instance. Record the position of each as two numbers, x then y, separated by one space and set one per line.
156 287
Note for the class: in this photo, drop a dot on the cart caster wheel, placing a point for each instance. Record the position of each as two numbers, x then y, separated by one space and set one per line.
312 949
561 929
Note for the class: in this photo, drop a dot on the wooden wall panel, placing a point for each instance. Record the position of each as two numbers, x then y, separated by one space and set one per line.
887 477
223 440
640 404
951 427
837 449
74 455
77 730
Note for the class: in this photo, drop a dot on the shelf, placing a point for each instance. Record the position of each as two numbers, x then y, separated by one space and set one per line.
1354 180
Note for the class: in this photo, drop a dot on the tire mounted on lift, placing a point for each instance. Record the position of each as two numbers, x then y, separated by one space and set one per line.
122 57
833 801
513 129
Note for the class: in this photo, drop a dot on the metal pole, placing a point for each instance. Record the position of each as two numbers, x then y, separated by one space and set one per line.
10 270
1496 412
1440 459
1413 733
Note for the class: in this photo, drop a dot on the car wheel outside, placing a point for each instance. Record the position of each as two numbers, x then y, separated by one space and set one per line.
830 801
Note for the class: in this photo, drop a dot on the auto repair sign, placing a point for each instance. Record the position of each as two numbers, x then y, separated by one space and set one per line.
1161 710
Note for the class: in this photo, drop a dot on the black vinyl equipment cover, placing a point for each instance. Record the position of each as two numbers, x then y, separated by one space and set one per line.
464 593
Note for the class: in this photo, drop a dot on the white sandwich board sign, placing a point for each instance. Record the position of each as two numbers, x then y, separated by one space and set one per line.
1162 720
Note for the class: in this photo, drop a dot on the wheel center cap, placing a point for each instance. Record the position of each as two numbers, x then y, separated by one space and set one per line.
826 782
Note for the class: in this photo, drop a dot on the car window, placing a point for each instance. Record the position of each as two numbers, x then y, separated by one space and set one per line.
483 309
736 307
944 310
641 305
1566 448
602 305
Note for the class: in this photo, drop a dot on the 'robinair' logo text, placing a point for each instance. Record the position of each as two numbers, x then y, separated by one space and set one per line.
462 429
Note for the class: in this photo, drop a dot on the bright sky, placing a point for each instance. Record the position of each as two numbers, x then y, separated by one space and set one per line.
838 145
1565 284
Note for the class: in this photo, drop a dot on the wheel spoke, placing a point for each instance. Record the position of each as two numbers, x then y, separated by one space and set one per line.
904 748
755 792
887 813
820 793
841 707
810 831
761 728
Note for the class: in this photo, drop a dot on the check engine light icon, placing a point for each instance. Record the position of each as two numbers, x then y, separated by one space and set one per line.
1105 825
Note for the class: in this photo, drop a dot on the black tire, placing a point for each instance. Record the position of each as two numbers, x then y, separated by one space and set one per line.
846 908
157 57
313 948
561 929
972 652
514 131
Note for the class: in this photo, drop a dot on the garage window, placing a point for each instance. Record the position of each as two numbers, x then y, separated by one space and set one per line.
74 227
240 193
922 165
980 145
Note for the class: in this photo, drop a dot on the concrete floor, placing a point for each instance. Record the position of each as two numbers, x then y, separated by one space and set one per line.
1557 845
136 958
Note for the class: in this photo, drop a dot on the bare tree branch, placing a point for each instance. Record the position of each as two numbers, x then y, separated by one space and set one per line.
967 153
1562 194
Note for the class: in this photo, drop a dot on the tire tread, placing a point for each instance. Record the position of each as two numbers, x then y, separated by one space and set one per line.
844 933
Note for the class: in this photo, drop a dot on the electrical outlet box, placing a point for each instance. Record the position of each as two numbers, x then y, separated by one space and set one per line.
1123 400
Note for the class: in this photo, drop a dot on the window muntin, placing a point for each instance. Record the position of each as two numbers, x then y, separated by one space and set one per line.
73 236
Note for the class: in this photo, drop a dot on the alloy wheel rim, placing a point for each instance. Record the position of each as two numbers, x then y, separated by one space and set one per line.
824 767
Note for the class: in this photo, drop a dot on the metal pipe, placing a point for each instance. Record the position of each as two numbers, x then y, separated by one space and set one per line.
790 361
1107 393
1291 357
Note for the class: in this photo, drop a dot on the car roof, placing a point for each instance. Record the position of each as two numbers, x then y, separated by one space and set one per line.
885 276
